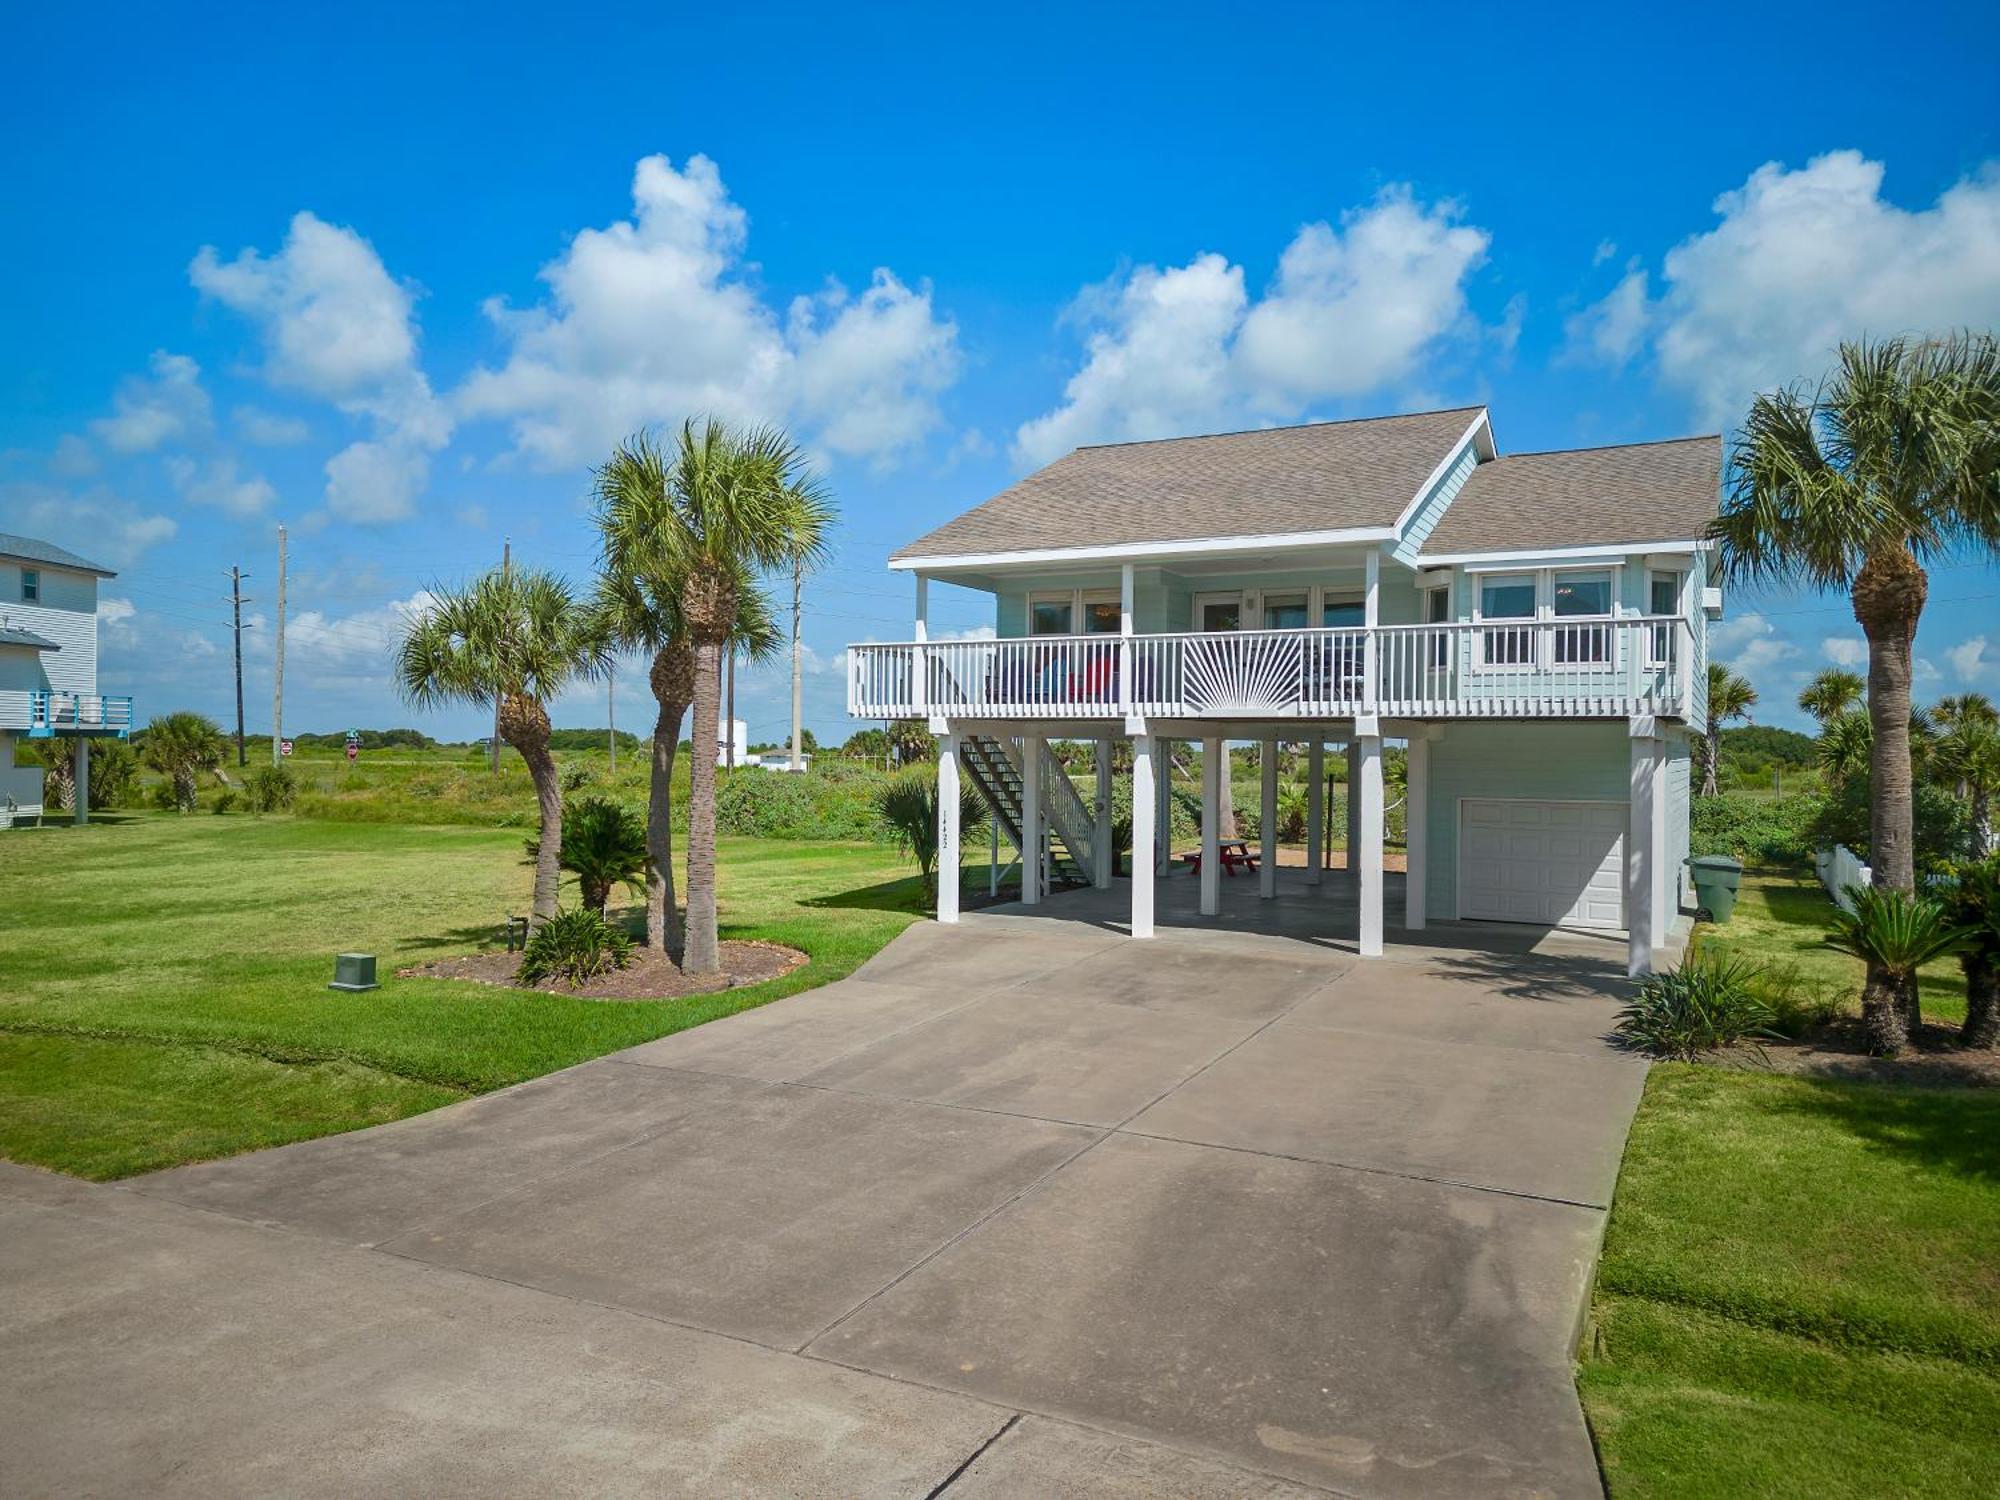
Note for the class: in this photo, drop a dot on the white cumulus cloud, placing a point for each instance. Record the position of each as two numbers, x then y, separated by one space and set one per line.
219 483
1968 658
269 429
150 411
337 326
654 318
1802 259
1845 650
96 523
1353 308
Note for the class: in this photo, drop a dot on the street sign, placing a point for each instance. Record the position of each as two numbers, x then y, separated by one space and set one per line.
284 747
353 749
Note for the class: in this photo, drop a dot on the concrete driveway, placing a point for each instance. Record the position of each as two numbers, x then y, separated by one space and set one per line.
1022 1208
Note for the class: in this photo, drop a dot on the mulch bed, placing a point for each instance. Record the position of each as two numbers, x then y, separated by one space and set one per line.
650 975
1932 1060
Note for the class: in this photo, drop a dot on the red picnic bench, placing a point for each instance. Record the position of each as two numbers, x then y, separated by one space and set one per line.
1235 854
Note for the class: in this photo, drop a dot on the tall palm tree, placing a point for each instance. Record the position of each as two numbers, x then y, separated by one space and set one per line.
1832 693
180 746
1729 697
1968 753
1893 462
639 605
741 504
517 636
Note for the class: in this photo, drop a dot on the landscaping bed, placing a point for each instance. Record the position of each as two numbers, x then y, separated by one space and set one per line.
650 975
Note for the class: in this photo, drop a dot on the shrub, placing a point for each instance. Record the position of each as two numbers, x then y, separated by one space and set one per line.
1974 908
1895 934
909 805
574 776
574 947
271 789
602 844
1942 825
114 774
831 803
1760 831
1705 1004
225 801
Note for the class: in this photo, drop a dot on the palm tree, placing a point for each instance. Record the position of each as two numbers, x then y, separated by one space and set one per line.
603 844
1955 709
1845 744
741 503
1895 934
639 605
1832 694
1974 906
517 635
908 803
1893 462
180 746
1969 753
1729 697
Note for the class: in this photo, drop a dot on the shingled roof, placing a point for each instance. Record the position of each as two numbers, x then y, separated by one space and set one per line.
27 549
1584 497
1330 476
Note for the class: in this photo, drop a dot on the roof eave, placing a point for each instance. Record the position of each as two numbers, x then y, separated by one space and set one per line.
1122 552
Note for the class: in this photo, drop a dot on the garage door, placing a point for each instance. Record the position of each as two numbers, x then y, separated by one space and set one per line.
1555 863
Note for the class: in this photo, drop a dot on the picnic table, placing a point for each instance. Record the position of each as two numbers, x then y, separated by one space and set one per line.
1235 854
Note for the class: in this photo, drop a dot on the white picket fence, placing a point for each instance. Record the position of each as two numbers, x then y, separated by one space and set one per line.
1839 868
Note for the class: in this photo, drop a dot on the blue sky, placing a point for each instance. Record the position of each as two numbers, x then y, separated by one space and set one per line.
398 275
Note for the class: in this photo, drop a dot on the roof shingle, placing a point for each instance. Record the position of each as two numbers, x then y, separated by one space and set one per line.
1586 497
27 549
1279 481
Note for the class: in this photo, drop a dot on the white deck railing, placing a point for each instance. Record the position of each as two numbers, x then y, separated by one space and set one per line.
1534 669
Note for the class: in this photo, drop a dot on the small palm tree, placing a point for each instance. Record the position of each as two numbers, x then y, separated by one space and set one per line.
1893 462
603 844
639 605
1968 753
1955 709
1845 744
180 746
1974 908
909 805
1895 934
1729 697
741 504
1832 693
518 636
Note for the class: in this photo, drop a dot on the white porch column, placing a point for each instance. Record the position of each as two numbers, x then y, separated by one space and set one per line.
1315 810
1142 835
82 813
1125 639
1031 819
1211 825
1353 804
1163 815
1416 830
1267 822
947 837
1643 849
1371 647
1100 839
920 674
1368 857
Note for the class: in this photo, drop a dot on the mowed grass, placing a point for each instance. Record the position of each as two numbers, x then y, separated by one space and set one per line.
1799 1293
1781 922
163 979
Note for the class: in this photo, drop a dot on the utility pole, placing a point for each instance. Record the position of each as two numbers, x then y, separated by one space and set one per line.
732 705
506 566
278 662
236 603
798 680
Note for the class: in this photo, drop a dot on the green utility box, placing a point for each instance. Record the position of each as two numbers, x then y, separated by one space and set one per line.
353 971
1716 878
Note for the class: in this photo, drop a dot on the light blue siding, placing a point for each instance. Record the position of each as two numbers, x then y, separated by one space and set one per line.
1433 506
1679 809
1560 762
1164 600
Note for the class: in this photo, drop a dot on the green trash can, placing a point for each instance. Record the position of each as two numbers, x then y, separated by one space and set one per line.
1716 877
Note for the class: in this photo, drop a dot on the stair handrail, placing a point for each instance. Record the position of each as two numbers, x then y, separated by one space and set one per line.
1063 805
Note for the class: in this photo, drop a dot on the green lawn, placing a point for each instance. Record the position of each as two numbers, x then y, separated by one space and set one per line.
1781 922
1799 1293
163 979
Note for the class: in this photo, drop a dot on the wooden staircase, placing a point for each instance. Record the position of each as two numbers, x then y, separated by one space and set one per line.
994 765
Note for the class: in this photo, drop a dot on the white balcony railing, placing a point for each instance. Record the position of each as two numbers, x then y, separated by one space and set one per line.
1533 669
43 712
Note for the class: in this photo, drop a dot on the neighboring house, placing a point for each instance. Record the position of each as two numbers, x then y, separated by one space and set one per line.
1533 626
48 668
779 760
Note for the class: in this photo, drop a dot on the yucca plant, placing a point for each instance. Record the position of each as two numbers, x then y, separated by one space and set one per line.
1705 1004
909 805
1895 934
1974 908
574 947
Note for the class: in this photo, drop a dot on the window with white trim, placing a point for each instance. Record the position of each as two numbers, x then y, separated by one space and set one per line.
1663 597
1576 595
1286 611
1437 611
1507 597
1051 614
31 585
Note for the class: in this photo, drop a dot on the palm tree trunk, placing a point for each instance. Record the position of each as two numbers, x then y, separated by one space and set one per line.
1711 757
673 685
702 955
1888 599
1882 1013
1982 1003
524 724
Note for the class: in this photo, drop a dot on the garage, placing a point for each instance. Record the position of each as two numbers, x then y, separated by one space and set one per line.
1557 864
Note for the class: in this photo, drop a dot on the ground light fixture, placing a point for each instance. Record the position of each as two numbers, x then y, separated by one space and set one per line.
353 971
